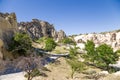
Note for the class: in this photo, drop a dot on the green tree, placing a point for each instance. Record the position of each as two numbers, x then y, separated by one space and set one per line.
90 48
101 56
50 44
21 43
75 65
73 52
105 56
67 41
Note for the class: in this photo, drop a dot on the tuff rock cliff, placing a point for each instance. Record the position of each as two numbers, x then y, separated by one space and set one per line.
37 29
8 26
111 38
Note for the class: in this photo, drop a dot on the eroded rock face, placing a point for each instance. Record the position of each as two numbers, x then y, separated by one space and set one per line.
110 38
61 35
37 29
1 48
8 26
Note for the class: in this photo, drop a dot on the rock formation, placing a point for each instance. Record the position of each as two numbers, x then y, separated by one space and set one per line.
111 38
61 34
8 26
37 29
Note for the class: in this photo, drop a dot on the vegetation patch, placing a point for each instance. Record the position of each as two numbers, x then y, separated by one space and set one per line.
50 44
21 43
76 65
67 41
100 56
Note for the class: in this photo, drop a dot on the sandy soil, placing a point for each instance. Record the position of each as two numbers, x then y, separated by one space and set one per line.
15 76
60 70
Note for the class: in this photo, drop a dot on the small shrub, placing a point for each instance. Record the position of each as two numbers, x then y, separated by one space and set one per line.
68 41
32 74
76 66
50 44
73 52
118 52
41 40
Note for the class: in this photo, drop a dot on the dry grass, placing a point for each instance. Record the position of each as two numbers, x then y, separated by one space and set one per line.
111 77
60 70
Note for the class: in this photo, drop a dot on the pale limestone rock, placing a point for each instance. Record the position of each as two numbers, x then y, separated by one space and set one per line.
104 72
81 46
8 26
109 38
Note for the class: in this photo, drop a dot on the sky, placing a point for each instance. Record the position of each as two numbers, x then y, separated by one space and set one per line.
72 16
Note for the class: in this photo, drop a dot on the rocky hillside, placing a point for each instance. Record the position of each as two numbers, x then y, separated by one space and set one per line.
37 29
111 38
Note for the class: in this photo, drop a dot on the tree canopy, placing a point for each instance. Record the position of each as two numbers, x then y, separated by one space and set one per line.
101 56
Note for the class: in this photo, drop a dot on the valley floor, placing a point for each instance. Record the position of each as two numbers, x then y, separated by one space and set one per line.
60 70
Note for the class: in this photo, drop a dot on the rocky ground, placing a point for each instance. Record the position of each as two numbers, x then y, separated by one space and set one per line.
14 76
60 70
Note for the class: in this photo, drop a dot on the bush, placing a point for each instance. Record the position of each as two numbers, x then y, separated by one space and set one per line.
67 41
41 40
50 44
32 74
118 52
21 43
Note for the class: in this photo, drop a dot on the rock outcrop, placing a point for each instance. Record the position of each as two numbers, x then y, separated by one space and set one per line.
61 35
8 26
111 38
37 29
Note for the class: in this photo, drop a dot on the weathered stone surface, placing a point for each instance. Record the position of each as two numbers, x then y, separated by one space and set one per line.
37 29
1 48
111 38
8 26
61 35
